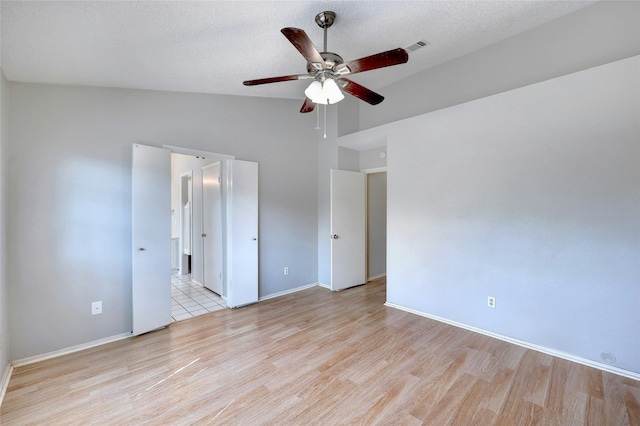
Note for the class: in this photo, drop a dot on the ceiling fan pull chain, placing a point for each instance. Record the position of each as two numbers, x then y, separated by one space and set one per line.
325 121
317 119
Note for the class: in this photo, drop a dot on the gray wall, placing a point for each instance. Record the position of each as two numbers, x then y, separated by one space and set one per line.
376 224
4 313
595 35
370 158
349 112
535 200
327 160
348 159
70 196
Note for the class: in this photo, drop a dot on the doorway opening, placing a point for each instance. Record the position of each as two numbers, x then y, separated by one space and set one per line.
151 232
376 225
196 233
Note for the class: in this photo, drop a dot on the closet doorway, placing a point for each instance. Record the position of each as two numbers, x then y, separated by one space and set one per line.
152 203
196 284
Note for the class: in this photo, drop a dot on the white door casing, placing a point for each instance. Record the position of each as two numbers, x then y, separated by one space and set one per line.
348 229
151 238
242 227
212 227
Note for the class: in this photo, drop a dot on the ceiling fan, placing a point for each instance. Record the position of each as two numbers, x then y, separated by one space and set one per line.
328 70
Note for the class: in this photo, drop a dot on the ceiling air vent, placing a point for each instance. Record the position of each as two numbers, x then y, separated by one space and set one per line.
417 45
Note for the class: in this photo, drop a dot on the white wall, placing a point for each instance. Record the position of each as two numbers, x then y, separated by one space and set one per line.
70 196
531 196
4 304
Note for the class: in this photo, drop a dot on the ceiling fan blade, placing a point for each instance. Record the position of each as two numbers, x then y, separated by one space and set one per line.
301 41
307 106
379 60
360 92
275 79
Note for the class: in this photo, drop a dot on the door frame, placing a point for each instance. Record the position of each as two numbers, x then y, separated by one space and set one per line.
366 259
366 186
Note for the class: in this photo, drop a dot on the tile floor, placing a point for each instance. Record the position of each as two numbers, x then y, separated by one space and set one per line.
190 299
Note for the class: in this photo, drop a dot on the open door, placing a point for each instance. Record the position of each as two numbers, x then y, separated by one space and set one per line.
186 223
212 227
151 238
348 229
242 224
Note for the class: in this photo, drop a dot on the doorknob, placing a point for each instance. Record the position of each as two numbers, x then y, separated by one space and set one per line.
335 236
254 239
141 249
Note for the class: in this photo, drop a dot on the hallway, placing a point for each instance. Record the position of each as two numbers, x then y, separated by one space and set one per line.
190 299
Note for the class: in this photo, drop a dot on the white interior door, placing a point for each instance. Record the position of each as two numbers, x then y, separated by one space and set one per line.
186 222
212 227
348 229
151 238
242 222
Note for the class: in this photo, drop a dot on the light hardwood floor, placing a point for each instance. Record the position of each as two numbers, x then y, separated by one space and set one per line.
316 357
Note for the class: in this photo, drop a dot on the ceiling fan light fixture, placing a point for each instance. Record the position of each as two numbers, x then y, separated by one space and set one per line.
331 91
328 69
314 92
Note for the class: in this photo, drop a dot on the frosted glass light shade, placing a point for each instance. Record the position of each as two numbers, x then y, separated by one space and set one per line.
324 93
314 92
331 91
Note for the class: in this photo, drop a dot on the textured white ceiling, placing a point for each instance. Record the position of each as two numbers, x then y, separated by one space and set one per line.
212 46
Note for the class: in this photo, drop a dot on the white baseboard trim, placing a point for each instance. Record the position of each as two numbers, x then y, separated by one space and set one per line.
72 349
197 282
375 277
524 344
282 293
5 381
327 286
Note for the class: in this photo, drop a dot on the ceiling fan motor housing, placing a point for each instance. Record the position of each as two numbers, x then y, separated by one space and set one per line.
330 58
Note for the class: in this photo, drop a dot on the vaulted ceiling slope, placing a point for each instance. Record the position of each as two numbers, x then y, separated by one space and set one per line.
212 46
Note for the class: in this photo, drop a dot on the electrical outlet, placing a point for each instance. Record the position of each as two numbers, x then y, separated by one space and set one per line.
286 270
96 307
491 302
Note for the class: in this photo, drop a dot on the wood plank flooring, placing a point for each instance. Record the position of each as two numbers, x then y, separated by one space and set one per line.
316 357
